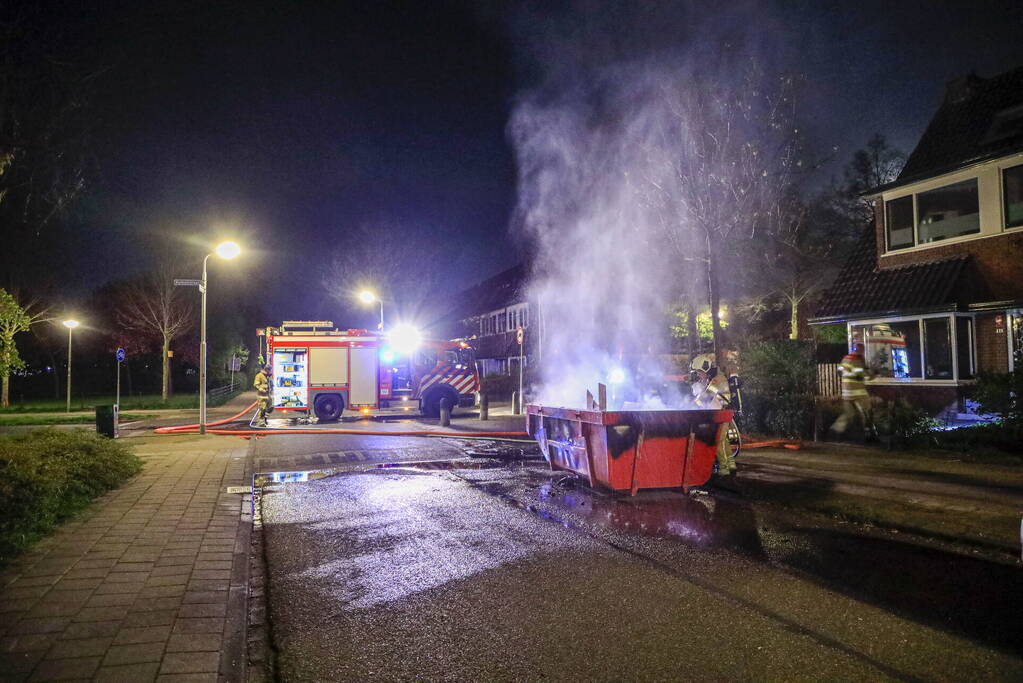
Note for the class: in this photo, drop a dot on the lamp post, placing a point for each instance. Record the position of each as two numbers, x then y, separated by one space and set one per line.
225 250
70 324
367 298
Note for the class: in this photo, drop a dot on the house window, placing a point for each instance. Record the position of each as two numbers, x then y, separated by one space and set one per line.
909 365
950 211
937 349
918 348
900 222
1012 188
964 347
525 316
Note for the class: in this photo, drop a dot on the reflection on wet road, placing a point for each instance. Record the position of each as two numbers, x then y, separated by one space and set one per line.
399 573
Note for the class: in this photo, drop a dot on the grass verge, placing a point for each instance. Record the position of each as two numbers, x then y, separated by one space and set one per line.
47 476
43 420
146 402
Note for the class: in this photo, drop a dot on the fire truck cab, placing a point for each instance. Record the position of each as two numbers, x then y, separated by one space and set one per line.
319 370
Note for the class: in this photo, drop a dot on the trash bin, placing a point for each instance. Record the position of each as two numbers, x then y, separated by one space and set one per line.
106 420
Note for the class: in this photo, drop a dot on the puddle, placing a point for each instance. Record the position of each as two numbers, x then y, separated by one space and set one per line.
698 520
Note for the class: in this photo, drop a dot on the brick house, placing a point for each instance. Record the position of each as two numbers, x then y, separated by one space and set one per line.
942 269
488 314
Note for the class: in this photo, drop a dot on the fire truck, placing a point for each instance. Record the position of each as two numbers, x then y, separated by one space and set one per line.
320 370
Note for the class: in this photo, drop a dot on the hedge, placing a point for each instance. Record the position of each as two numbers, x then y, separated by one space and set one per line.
47 475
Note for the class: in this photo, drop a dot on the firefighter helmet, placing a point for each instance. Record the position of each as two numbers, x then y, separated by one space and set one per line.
702 363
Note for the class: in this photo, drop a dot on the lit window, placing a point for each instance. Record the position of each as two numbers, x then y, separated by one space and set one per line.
1012 185
950 211
918 349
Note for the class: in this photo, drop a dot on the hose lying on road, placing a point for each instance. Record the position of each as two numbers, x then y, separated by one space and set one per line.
775 443
247 433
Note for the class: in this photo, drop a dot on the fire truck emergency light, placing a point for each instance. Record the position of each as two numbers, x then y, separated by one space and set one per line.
386 355
404 338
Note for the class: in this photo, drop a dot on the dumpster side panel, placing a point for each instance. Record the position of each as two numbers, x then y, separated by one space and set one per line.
596 446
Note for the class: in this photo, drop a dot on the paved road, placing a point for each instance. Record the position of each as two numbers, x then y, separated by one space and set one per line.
321 450
510 573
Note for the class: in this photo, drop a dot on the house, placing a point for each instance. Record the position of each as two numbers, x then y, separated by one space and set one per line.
935 289
489 314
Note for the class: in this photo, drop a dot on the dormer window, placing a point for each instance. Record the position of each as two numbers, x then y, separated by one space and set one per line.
1012 187
900 222
950 211
938 214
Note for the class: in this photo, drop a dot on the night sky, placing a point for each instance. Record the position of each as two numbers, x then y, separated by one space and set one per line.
285 124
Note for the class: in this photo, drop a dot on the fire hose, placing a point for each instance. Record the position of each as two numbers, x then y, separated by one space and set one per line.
248 433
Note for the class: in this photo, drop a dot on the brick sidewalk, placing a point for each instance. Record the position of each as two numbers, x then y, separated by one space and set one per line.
149 583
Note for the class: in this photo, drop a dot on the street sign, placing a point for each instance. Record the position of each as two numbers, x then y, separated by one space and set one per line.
120 355
179 282
518 336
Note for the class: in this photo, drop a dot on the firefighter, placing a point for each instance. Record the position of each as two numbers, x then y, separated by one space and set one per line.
711 391
262 384
855 400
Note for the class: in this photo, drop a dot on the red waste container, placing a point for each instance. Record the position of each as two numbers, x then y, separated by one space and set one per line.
628 450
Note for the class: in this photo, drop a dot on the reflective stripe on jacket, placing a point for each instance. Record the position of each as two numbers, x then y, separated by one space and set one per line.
854 377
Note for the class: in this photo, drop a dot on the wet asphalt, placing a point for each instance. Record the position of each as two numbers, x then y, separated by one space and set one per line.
504 571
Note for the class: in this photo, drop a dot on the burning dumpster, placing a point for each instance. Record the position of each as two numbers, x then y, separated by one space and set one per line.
628 450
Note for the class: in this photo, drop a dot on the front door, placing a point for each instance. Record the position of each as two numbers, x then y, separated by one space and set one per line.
1015 320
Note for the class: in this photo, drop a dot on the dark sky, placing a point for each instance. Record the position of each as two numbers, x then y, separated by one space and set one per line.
288 123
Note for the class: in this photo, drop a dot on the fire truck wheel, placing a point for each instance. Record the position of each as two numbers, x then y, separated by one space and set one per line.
431 404
328 407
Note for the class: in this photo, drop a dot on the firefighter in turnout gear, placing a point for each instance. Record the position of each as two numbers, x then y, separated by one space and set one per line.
855 400
712 391
262 384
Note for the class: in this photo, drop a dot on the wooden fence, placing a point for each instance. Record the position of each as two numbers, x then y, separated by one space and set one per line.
828 381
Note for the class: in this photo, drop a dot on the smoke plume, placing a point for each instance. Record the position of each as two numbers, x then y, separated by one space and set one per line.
602 151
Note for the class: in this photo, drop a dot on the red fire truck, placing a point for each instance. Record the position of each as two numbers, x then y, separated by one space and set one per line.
322 370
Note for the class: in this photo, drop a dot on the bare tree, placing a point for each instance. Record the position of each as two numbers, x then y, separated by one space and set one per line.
808 240
796 259
725 152
44 128
153 306
876 164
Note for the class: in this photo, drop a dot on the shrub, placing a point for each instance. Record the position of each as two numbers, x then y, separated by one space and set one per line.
990 435
48 475
1002 394
903 424
779 379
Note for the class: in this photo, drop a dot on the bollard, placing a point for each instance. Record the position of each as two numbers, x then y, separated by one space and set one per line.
484 407
445 412
516 409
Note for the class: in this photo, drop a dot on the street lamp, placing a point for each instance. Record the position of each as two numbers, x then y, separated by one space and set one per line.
225 250
70 324
367 297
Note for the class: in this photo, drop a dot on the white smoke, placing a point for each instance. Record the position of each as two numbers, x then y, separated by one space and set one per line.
602 275
594 146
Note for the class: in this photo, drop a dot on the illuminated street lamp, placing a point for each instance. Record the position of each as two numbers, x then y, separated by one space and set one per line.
70 324
367 297
225 250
